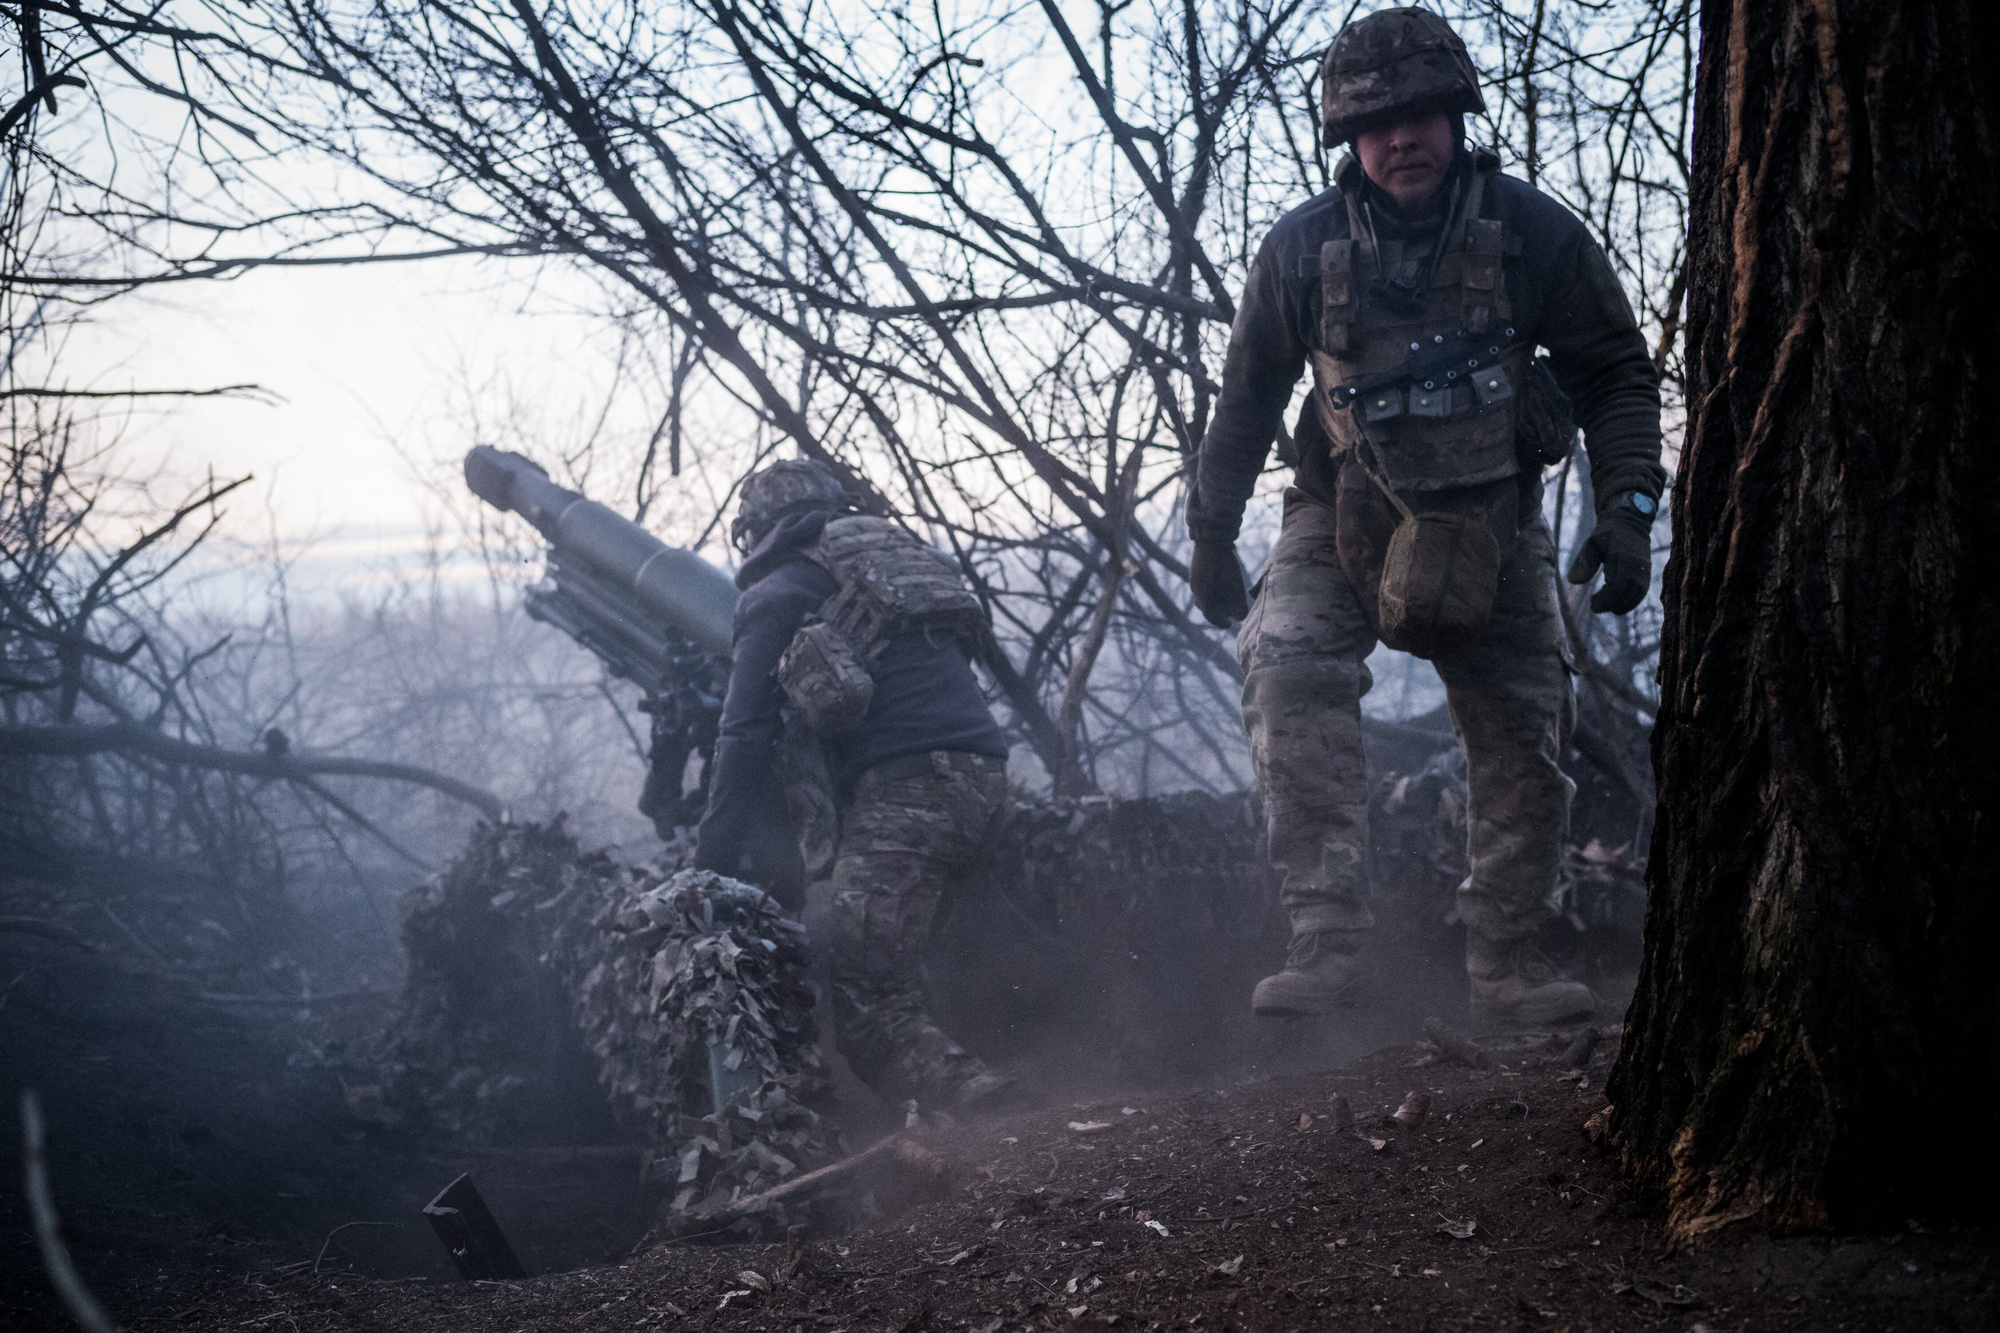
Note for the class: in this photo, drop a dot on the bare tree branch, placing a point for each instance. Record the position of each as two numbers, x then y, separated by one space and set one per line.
76 739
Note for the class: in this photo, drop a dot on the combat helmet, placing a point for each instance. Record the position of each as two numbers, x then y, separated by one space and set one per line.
793 486
1394 60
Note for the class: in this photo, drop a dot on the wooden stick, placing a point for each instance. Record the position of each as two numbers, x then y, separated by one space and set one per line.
1455 1047
29 925
911 1155
76 1297
72 739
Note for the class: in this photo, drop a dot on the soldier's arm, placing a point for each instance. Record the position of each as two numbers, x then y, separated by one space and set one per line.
1600 359
746 742
1262 366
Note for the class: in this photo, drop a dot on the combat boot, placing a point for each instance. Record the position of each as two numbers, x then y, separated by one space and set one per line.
1322 974
992 1093
940 1075
1515 986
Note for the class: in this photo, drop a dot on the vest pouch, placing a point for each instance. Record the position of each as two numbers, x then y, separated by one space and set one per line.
1545 430
826 679
1439 578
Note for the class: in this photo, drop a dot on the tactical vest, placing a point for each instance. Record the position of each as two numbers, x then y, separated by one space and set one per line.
1457 427
890 584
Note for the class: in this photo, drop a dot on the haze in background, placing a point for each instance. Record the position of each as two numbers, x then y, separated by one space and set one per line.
382 377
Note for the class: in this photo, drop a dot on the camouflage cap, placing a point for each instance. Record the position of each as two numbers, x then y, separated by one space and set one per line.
1394 60
793 486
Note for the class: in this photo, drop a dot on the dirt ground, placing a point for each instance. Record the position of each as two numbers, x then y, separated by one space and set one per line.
1213 1208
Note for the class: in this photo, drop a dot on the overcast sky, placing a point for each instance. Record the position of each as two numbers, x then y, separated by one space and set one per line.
371 368
372 365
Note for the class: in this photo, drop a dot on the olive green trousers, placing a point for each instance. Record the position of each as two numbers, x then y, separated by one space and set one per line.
904 837
1304 648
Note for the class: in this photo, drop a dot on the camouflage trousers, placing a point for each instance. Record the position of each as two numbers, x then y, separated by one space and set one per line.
1303 650
904 837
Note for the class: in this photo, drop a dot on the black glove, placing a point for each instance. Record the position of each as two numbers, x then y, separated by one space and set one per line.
1622 543
1216 577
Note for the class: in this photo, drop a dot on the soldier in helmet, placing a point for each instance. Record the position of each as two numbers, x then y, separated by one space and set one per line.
920 773
1417 292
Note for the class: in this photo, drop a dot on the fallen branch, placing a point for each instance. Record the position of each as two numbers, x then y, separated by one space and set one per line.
908 1154
30 925
1402 733
365 824
254 392
342 1227
76 1297
76 739
1455 1047
296 1001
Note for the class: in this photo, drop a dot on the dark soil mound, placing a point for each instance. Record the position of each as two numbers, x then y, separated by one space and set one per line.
1239 1207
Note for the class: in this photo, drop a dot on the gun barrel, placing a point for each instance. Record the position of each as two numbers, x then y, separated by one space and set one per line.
677 585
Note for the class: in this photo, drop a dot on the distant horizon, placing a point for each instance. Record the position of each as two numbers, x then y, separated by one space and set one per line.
365 386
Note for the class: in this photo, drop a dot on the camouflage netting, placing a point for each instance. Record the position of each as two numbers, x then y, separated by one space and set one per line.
536 971
552 994
1417 860
1113 930
485 1049
699 1008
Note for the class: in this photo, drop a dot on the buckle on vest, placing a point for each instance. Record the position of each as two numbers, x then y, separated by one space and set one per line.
1382 404
1492 386
1432 398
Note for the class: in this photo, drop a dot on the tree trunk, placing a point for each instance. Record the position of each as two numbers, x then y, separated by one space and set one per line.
1812 1039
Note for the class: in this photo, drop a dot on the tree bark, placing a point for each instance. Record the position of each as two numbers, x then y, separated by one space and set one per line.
1812 1039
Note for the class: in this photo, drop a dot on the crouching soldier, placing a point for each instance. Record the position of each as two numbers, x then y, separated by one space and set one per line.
1417 290
851 626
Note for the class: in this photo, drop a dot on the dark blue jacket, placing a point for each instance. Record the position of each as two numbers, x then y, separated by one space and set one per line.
926 697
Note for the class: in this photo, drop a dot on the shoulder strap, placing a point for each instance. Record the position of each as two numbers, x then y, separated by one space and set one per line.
891 582
850 609
1337 305
1484 290
1365 456
1333 266
1339 290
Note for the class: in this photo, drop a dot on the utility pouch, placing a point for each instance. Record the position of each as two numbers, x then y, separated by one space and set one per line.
1441 570
1545 426
826 678
890 584
1439 574
1439 578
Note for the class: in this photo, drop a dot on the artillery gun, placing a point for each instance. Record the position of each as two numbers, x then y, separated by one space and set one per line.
657 615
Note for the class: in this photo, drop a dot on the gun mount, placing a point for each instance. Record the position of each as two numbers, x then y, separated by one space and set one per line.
656 615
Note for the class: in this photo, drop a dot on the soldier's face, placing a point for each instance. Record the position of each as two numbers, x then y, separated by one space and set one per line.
1409 158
